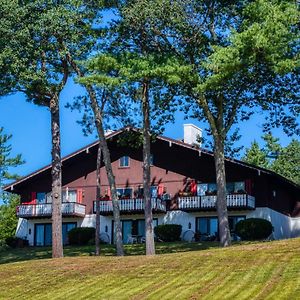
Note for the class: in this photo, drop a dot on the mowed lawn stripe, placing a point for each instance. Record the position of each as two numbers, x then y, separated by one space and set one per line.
269 270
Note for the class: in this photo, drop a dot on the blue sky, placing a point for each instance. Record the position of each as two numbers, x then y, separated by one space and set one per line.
30 126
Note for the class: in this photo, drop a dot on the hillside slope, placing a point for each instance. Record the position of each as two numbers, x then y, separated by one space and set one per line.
269 270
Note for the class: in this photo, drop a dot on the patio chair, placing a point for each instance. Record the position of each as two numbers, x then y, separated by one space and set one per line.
131 239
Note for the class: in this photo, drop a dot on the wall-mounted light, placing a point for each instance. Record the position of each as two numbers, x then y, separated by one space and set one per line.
106 228
29 231
274 193
190 225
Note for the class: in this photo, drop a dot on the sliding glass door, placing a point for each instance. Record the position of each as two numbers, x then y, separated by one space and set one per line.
43 233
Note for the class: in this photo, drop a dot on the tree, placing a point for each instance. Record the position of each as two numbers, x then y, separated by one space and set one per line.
98 105
98 194
6 161
255 156
282 160
237 63
38 35
8 218
144 76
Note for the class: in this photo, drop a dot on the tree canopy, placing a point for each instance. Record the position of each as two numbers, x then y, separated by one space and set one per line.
285 161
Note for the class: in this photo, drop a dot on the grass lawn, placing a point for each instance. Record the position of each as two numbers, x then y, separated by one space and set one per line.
21 254
269 270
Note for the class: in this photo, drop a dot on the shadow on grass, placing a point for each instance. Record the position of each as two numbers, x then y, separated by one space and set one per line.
29 253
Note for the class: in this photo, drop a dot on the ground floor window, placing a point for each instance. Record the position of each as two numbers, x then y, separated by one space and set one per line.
133 228
43 233
210 225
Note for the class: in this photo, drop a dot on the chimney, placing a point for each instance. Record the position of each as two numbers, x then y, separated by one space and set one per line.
192 134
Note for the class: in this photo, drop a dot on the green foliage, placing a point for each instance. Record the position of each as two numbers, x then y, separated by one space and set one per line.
8 218
168 232
6 161
253 229
282 160
255 156
50 31
81 235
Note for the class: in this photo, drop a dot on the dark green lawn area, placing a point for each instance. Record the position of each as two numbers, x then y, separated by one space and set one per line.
14 255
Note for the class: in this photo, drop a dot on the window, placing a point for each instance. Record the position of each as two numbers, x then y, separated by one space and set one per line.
202 188
41 198
153 192
124 161
124 193
230 187
133 227
69 196
43 233
239 187
207 225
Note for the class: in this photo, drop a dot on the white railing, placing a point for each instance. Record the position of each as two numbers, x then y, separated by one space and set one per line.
131 205
45 209
208 202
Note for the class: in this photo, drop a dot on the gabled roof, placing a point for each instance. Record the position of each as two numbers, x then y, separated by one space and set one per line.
160 137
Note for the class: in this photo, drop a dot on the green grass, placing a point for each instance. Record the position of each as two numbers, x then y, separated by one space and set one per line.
21 254
269 270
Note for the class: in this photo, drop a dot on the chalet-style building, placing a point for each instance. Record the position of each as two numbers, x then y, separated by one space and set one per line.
183 191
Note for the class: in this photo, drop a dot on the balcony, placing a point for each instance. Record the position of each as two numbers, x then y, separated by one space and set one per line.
129 206
234 202
69 209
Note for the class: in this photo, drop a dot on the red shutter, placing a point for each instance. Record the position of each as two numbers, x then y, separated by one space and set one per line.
79 195
194 187
33 198
108 194
248 186
160 190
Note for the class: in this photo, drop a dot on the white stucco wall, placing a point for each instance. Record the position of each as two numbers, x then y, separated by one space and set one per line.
22 229
284 226
25 228
180 217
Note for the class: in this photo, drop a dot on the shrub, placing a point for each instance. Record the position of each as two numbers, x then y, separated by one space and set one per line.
16 242
168 232
81 235
253 229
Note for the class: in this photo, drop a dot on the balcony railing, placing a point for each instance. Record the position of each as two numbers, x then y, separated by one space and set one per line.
45 210
131 205
236 201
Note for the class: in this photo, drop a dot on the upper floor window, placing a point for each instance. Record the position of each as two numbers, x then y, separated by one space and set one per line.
124 193
124 161
69 196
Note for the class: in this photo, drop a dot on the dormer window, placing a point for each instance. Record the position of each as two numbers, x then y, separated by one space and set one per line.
124 161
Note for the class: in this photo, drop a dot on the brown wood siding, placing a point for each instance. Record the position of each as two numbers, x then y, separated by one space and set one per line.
174 167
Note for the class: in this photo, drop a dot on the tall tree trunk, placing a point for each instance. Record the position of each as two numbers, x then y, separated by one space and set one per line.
150 246
224 231
111 180
106 158
98 194
57 243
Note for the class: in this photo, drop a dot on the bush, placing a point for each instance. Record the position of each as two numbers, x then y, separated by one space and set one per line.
168 232
253 229
81 235
15 242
